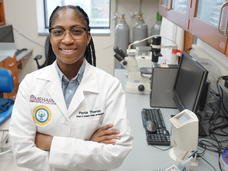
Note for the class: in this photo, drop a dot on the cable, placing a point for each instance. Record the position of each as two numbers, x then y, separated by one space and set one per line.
220 167
208 163
26 37
162 149
220 90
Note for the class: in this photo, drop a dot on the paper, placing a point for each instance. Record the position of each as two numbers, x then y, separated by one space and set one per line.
7 50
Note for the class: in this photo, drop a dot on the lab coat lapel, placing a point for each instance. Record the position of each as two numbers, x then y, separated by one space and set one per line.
77 99
55 90
88 84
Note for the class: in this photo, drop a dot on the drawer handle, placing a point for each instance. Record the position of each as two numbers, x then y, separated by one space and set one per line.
224 32
11 65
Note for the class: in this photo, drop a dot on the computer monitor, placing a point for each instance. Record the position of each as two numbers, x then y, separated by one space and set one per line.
190 83
6 34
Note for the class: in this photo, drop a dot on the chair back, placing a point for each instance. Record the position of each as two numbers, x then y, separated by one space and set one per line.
49 55
6 81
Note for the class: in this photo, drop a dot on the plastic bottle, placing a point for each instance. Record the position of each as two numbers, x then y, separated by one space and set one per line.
139 30
122 32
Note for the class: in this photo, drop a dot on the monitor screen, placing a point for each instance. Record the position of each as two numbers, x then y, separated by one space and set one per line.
190 81
6 34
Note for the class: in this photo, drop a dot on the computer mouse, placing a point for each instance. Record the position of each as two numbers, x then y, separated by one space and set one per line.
151 126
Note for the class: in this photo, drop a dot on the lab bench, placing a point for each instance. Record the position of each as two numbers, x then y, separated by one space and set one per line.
145 157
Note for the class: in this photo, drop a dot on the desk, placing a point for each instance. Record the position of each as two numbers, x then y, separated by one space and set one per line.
144 157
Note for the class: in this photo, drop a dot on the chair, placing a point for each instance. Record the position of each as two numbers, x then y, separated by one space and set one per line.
6 86
49 55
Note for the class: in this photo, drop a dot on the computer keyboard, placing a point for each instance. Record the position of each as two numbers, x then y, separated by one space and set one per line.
159 137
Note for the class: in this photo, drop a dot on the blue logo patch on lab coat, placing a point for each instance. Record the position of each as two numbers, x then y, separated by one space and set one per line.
41 115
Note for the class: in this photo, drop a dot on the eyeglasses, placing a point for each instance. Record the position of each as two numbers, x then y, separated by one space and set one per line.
76 32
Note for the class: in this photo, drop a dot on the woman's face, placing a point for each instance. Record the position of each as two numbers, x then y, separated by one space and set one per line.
68 37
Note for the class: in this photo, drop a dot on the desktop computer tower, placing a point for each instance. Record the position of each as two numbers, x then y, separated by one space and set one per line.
162 83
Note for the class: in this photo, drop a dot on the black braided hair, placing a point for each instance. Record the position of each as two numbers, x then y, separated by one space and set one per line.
90 50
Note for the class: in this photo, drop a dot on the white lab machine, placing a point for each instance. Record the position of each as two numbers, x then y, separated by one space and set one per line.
143 57
137 82
184 134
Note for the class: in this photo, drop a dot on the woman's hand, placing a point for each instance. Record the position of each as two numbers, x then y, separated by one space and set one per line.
105 135
43 141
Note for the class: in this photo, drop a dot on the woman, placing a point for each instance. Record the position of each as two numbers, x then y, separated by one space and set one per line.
70 115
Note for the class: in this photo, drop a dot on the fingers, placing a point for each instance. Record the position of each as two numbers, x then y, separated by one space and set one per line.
109 142
109 132
106 130
108 138
105 135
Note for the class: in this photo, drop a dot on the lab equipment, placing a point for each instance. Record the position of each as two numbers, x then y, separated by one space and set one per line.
156 48
190 90
137 82
162 83
184 134
6 34
139 67
181 164
160 136
122 33
190 83
143 57
139 30
6 85
224 160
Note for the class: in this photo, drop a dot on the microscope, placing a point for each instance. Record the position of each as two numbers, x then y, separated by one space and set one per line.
138 63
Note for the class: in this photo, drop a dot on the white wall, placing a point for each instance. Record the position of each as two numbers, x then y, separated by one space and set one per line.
214 61
22 14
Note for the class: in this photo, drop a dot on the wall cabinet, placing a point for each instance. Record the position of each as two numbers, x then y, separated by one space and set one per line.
175 11
206 19
11 64
2 14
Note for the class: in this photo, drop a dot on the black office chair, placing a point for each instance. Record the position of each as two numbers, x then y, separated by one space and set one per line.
49 55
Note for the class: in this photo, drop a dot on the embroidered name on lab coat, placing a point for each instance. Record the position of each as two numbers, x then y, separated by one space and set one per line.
43 100
90 113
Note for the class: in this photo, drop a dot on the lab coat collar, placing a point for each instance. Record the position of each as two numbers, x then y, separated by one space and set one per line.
88 81
88 84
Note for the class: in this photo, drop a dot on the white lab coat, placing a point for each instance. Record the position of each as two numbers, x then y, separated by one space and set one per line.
99 100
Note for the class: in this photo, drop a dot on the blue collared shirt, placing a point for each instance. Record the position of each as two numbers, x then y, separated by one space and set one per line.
69 87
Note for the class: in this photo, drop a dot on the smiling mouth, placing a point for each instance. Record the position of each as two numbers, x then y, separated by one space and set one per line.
68 50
